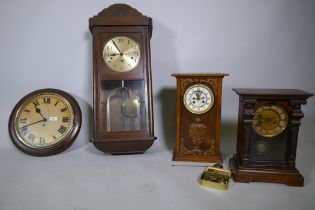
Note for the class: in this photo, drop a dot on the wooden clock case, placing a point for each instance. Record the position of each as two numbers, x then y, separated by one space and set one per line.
121 20
53 149
205 127
279 167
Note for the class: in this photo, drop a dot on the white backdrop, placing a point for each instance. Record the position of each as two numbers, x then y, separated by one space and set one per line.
261 44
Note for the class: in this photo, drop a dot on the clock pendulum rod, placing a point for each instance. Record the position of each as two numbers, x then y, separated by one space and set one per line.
108 114
123 99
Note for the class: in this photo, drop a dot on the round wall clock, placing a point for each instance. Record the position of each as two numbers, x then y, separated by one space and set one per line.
270 120
121 54
198 99
45 122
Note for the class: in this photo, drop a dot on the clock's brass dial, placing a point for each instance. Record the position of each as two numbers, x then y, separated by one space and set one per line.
44 120
270 120
198 99
121 54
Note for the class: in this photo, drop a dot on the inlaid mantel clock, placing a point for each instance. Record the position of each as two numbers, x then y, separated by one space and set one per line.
123 106
268 125
198 117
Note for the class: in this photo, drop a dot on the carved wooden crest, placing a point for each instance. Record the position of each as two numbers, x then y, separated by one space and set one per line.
120 14
119 10
185 83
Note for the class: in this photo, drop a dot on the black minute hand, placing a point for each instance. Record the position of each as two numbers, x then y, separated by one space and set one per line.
43 120
118 49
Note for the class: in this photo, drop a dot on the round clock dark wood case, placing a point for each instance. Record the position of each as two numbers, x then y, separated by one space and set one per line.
45 122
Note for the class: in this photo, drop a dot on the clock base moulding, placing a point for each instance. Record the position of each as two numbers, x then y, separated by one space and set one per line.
290 177
191 158
127 146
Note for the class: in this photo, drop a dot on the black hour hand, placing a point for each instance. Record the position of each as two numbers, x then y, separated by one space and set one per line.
39 112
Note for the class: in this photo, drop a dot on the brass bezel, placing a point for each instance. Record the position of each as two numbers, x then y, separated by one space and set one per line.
275 110
52 149
211 99
18 134
117 69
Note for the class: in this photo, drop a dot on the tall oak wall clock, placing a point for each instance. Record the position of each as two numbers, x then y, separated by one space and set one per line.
122 87
268 126
198 117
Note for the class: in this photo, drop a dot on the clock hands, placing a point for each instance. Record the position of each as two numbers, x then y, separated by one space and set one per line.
198 94
39 112
121 54
43 120
199 98
266 120
269 118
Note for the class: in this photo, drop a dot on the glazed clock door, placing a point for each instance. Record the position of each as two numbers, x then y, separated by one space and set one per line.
122 84
269 140
125 105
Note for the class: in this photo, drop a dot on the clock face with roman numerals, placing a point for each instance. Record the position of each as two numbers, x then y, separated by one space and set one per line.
270 120
44 121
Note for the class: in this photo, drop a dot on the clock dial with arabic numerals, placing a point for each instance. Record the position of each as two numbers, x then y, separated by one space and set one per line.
45 122
198 99
121 54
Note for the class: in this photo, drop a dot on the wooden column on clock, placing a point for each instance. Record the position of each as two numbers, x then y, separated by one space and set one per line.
122 84
198 132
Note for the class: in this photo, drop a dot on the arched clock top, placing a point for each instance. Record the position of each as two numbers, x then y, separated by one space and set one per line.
119 10
120 14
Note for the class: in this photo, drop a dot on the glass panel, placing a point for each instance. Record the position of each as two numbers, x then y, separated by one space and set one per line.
268 149
125 105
